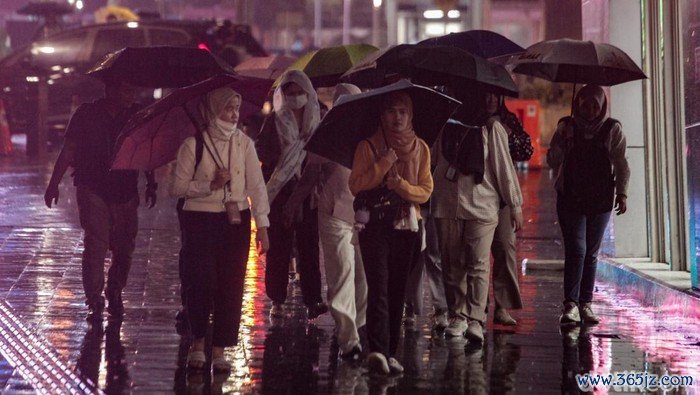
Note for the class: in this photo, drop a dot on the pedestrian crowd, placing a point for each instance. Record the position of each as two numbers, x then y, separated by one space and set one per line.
405 215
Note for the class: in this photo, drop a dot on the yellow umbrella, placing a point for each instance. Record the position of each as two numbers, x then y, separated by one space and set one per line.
325 66
114 13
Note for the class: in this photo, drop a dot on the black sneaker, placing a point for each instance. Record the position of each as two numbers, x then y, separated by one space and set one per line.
317 309
352 355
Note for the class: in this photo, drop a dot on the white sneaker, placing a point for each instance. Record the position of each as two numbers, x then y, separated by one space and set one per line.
587 314
475 332
394 366
377 363
457 327
570 315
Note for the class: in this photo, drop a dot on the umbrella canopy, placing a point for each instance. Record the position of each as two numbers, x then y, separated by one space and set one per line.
267 67
356 117
431 65
325 66
160 67
483 43
112 13
45 8
579 62
152 136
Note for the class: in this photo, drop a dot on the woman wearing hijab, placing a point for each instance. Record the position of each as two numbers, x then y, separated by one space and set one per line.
281 147
506 289
216 223
473 176
345 276
587 152
396 163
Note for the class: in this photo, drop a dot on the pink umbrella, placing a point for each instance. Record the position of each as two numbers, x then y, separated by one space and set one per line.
152 136
267 67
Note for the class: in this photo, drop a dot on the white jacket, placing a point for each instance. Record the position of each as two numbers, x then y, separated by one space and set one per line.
246 177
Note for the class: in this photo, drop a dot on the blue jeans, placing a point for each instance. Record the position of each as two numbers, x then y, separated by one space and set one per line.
583 235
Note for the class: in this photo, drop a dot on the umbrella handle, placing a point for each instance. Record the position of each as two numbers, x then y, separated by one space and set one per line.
573 96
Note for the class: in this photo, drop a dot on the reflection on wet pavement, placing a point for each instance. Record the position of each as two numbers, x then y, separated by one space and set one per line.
40 253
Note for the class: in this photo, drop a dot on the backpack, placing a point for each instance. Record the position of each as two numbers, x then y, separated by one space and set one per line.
198 152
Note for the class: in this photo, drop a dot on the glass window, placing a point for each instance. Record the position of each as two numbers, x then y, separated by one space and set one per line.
109 40
168 37
690 12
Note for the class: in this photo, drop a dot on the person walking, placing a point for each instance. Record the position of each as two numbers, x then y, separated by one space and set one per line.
107 199
506 288
345 275
587 152
281 148
474 174
394 163
216 223
426 263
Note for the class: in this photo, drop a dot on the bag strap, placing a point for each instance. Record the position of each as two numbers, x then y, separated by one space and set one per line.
198 150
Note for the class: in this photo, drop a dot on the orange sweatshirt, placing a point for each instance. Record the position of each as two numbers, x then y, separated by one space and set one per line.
368 173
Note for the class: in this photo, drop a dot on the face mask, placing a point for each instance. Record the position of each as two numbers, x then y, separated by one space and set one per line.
296 102
226 127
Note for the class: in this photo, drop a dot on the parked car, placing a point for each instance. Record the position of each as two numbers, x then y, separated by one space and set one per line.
63 58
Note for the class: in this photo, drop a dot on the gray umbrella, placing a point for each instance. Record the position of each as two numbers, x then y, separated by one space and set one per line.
578 62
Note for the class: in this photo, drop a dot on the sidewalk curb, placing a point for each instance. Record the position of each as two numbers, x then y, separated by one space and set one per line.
650 291
556 265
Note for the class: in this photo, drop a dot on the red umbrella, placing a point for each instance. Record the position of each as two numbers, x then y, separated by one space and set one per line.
152 136
267 67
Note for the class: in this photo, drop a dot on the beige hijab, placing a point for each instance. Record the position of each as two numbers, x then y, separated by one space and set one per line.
212 105
345 89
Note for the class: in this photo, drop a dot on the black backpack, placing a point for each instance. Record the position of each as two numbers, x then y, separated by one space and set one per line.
198 152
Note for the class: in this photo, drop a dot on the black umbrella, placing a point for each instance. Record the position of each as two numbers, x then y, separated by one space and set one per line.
45 8
432 66
484 43
578 62
160 67
152 136
356 117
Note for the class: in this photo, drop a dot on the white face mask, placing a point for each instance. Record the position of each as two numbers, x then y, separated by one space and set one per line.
228 128
296 102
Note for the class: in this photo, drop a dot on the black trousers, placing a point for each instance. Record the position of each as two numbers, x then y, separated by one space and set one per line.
215 257
106 226
302 235
387 255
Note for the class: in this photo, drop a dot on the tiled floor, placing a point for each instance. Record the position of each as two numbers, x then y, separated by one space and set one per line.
40 280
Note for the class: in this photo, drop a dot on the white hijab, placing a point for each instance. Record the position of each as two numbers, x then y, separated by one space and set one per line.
292 137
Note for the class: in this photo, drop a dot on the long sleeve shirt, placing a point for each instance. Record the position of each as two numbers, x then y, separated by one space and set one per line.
246 183
331 179
368 172
615 143
464 199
